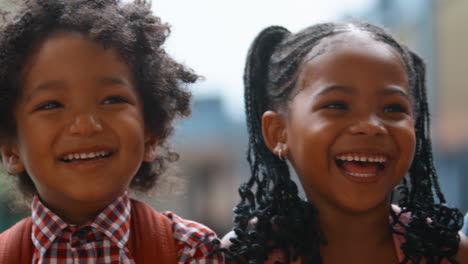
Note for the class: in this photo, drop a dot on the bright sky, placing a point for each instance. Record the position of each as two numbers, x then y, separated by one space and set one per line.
213 36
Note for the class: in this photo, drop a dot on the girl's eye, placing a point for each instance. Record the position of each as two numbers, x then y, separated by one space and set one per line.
49 105
336 105
395 108
115 100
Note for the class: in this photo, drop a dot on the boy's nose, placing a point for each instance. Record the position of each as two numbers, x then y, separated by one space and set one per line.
86 125
370 125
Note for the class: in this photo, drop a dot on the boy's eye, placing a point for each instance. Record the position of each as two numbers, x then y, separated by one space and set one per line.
338 105
49 105
395 108
115 100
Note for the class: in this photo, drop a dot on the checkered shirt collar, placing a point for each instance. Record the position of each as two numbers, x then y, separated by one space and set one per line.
113 222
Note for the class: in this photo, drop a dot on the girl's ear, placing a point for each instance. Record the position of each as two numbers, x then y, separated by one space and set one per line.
11 159
274 133
151 146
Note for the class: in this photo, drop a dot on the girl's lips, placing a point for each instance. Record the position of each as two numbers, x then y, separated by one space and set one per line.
361 167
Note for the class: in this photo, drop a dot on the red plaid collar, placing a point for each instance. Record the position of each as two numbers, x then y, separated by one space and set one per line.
113 222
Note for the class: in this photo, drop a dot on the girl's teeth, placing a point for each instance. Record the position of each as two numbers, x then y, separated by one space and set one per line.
362 158
362 175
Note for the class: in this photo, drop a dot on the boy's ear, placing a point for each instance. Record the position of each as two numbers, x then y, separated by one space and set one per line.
274 133
151 147
10 158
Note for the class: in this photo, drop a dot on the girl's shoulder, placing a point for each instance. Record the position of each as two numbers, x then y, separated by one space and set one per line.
462 255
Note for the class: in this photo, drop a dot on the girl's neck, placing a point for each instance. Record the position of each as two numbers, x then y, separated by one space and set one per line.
355 233
366 225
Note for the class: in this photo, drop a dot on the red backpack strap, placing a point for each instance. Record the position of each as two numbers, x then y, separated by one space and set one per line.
16 246
151 236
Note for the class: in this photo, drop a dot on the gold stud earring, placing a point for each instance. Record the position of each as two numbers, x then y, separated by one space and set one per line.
280 155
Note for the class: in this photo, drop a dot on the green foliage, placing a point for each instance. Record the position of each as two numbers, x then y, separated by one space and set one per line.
7 7
7 216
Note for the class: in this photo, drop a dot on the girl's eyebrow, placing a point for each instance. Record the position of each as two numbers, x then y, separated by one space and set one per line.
389 90
337 88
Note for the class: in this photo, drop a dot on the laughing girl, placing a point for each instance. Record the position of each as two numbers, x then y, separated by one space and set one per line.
345 106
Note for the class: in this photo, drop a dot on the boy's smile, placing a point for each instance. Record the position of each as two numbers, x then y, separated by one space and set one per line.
87 160
80 128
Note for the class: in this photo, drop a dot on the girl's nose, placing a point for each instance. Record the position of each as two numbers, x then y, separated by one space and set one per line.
371 126
85 125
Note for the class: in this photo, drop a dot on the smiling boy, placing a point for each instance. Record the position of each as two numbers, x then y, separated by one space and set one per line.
86 109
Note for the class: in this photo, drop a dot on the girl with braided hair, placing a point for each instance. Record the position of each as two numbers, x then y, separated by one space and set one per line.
88 97
344 105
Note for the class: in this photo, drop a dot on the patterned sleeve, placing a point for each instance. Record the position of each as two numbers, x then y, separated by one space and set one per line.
193 241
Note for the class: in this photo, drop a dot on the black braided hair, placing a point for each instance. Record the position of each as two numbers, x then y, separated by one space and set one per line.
286 221
134 32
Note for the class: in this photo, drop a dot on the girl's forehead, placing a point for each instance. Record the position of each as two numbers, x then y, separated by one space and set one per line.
358 39
351 60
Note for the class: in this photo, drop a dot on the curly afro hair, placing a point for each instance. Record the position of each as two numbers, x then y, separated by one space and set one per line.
134 32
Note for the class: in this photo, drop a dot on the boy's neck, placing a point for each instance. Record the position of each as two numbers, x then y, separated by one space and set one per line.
76 212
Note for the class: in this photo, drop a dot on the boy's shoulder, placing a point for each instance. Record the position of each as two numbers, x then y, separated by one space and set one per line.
17 231
194 240
189 231
15 243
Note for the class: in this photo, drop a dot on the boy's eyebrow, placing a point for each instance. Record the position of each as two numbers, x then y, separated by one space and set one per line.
56 84
114 80
51 84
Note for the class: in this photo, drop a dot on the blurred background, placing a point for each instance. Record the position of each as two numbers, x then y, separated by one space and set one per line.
213 37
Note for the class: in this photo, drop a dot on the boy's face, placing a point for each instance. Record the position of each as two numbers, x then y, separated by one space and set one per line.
81 133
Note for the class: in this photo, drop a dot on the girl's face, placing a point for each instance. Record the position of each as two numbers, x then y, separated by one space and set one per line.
349 130
81 134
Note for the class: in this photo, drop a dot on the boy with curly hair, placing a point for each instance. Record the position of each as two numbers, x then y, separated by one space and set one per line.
88 97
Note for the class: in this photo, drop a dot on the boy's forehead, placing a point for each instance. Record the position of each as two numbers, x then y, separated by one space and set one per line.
73 56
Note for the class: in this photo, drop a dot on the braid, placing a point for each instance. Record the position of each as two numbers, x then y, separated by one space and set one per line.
283 219
439 238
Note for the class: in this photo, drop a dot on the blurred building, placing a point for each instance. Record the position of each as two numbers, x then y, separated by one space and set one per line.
213 162
452 42
452 93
